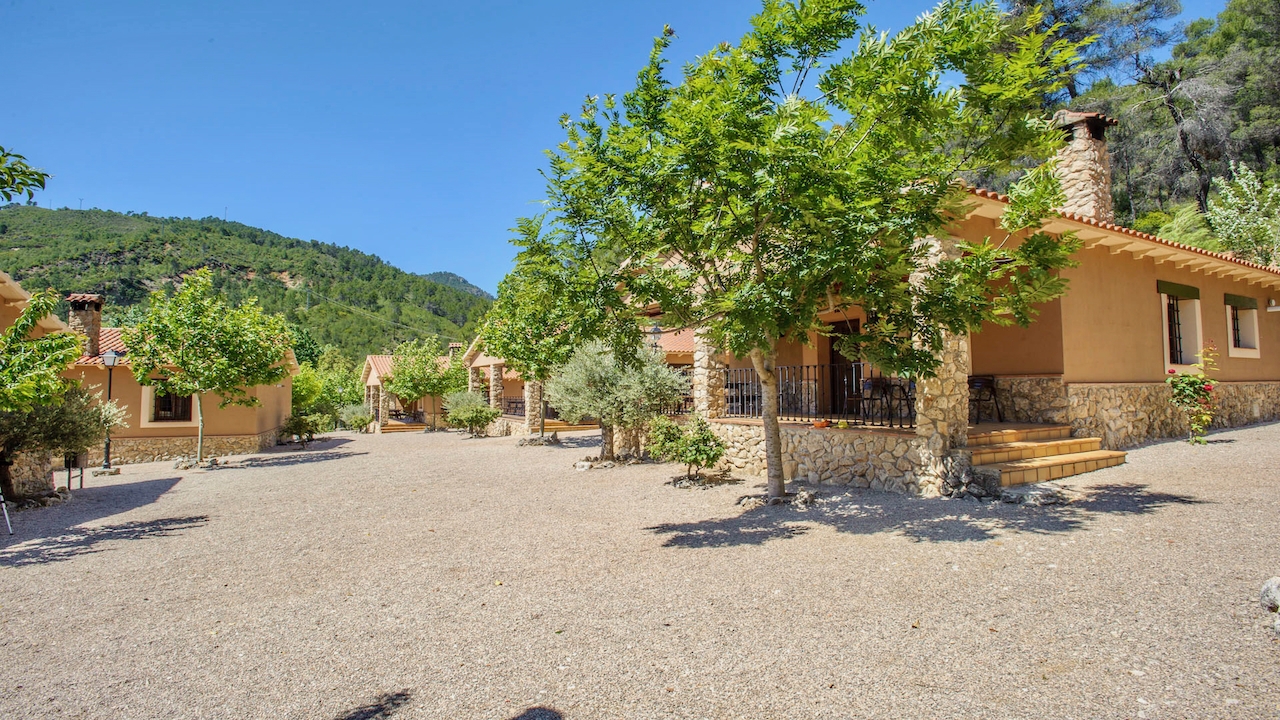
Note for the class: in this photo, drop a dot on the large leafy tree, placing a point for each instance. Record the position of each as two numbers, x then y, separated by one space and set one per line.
1246 216
195 343
31 367
17 177
741 202
418 371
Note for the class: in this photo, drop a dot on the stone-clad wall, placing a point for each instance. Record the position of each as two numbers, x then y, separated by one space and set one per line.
877 459
1030 399
139 450
1128 414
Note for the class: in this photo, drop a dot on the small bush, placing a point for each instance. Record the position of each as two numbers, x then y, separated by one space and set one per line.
302 427
470 411
694 445
356 417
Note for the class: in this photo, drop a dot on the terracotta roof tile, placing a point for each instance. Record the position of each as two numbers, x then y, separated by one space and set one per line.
676 341
1111 227
108 339
84 297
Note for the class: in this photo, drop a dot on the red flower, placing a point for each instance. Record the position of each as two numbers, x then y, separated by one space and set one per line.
1172 371
1208 387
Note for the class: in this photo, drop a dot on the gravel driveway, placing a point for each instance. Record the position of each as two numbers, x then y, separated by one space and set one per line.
432 576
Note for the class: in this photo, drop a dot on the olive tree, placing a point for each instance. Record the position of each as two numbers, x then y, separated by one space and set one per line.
621 393
72 422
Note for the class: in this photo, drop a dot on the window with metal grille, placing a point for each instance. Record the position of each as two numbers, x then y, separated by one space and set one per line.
172 408
1175 331
1235 328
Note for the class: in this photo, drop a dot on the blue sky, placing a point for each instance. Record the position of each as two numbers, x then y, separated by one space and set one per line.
412 130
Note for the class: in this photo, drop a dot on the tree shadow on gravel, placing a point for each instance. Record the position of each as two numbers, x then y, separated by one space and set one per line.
580 441
382 706
539 713
91 503
86 541
864 512
297 458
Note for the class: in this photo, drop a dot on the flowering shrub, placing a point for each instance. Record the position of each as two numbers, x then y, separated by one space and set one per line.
1193 394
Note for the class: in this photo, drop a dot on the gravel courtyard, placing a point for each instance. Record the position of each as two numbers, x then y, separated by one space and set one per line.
433 576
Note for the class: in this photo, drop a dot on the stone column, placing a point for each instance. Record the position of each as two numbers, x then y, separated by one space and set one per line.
495 386
942 404
532 406
707 380
473 379
384 407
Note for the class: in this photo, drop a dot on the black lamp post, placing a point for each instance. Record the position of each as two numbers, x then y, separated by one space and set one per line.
110 359
655 337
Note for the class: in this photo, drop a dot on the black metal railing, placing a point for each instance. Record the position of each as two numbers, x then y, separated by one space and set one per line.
513 406
856 393
683 406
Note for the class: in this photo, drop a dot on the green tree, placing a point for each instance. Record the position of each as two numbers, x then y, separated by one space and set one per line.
1246 215
418 371
696 446
470 410
17 177
625 393
195 343
737 203
31 368
305 348
69 423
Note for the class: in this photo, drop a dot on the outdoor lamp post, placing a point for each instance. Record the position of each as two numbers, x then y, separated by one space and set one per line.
655 337
110 359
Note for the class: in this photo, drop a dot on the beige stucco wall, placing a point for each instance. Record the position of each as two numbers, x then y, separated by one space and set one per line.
275 403
1113 322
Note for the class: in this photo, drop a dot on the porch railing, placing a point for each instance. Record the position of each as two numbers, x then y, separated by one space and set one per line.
515 407
856 393
683 406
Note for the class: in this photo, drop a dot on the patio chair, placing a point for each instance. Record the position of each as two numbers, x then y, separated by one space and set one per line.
982 389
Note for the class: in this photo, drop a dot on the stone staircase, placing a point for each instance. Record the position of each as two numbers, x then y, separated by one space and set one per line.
1036 453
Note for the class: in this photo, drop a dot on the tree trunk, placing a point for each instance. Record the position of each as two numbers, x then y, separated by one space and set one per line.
434 412
199 430
765 363
606 441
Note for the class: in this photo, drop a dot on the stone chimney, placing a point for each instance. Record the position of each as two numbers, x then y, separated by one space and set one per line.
1084 165
86 319
454 347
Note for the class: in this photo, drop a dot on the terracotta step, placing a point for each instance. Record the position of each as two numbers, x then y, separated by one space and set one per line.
1042 469
1010 451
1025 433
403 427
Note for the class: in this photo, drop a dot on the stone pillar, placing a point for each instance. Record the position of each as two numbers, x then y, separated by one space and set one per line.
473 379
707 381
942 403
384 407
1084 165
495 386
532 406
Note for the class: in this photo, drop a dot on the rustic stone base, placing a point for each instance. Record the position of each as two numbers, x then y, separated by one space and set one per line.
858 457
139 450
1128 414
1030 399
32 473
504 426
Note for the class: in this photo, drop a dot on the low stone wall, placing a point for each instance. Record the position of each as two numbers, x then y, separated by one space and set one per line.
32 473
507 426
861 457
1031 399
1128 414
139 450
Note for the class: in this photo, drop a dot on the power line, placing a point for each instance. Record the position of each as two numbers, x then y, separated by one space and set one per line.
379 318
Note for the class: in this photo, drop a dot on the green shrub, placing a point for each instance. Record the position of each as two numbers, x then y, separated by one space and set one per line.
356 417
694 445
302 427
470 411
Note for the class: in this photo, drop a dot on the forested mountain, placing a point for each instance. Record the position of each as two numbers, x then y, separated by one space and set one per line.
343 297
1187 124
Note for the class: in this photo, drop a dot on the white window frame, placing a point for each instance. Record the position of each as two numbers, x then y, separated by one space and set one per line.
1248 325
149 411
1191 307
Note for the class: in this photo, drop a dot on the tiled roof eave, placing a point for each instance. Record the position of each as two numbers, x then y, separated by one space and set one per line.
1147 237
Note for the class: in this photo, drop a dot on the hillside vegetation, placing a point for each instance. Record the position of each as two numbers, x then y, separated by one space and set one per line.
352 300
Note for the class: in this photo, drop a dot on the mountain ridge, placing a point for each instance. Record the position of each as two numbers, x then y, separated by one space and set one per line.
344 297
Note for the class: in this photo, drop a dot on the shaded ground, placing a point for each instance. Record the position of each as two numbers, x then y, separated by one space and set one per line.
431 576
